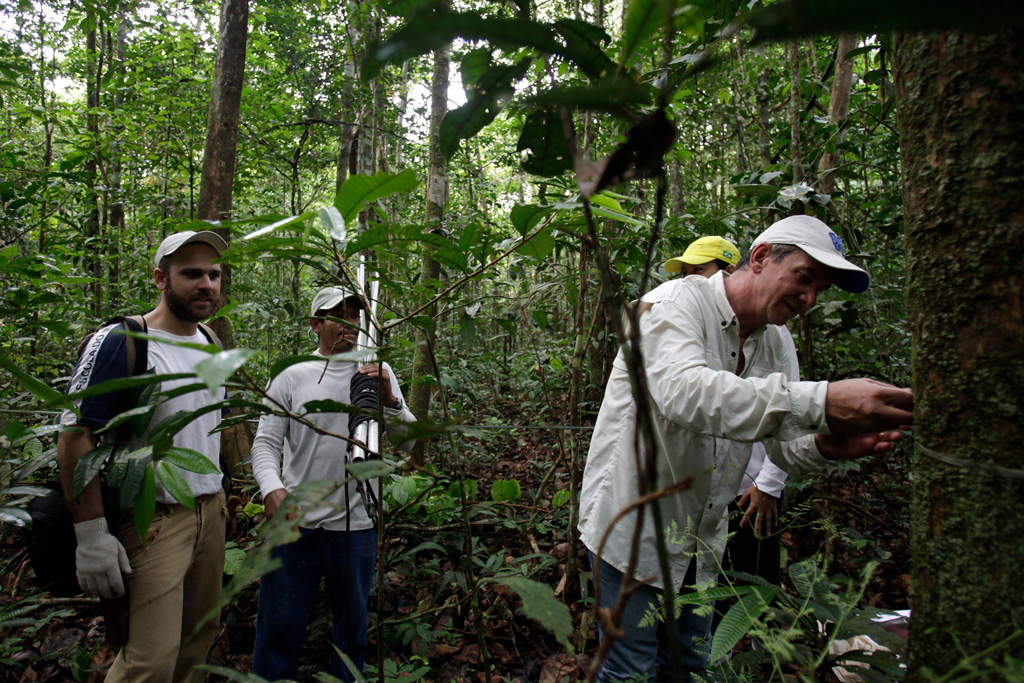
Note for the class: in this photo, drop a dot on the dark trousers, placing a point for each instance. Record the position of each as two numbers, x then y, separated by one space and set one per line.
347 561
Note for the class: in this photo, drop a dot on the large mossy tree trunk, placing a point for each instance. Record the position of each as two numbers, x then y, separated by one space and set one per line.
961 121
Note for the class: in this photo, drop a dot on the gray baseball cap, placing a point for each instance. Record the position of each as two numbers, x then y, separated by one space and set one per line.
179 239
329 297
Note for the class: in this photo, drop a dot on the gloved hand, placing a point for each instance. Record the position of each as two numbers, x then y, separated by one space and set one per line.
100 559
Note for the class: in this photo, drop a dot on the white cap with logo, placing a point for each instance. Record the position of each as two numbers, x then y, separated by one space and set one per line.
821 244
179 239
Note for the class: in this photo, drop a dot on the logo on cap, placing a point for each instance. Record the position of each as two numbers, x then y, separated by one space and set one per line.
837 242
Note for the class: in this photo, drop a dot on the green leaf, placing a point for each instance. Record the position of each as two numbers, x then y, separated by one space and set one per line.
89 465
540 603
737 621
334 222
467 329
50 397
538 246
525 217
370 469
174 483
582 41
277 225
643 18
233 558
136 469
616 95
483 106
190 460
543 137
359 190
145 502
472 490
505 489
798 18
218 368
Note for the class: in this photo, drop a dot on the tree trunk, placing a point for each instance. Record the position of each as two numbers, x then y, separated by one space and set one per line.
430 270
93 253
838 106
115 219
225 105
793 54
219 173
961 123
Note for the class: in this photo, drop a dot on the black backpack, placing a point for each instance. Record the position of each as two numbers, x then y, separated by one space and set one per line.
51 539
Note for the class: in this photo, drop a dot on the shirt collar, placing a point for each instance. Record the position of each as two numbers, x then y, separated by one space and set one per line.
726 316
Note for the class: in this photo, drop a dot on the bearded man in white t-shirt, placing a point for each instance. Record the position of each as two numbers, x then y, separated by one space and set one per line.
173 576
338 538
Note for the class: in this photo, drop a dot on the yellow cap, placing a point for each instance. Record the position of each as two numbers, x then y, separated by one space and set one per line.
703 250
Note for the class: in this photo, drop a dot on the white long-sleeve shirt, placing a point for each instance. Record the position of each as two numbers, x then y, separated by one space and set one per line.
705 419
761 471
287 453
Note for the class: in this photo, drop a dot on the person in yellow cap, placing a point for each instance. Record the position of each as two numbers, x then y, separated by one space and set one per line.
705 256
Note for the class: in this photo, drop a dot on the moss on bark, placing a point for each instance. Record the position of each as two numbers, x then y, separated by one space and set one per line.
961 119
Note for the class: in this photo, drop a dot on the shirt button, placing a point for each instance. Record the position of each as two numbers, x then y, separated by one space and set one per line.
812 426
767 436
733 354
710 505
724 323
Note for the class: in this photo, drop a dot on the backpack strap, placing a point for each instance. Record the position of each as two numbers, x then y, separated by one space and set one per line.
136 350
211 336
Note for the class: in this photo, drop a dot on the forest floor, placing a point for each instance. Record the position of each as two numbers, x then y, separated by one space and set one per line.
433 633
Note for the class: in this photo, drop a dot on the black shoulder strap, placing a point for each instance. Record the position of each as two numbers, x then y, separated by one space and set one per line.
211 336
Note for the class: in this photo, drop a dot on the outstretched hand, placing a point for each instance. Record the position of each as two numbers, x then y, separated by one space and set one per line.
852 446
858 406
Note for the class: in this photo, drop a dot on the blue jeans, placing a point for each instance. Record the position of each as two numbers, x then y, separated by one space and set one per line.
347 561
642 654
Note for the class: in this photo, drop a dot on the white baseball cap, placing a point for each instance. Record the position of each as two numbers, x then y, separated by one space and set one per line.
821 244
179 239
329 297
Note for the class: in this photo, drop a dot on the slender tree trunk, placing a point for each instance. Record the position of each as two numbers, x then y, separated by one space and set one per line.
961 124
93 259
115 219
219 172
838 106
430 270
793 54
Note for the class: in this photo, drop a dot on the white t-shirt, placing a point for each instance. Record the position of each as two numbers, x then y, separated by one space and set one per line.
104 359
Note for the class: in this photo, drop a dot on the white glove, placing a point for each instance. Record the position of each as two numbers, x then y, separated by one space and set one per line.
100 559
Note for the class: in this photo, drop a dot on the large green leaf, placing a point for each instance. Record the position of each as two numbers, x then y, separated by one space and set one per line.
89 465
218 368
288 222
188 459
525 217
538 246
643 19
543 137
145 502
738 620
540 603
359 190
616 95
136 467
429 31
584 40
798 18
483 106
174 483
44 393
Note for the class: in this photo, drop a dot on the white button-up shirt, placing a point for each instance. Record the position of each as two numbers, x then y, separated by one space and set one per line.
705 418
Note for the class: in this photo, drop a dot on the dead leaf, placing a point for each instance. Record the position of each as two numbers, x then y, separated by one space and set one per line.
557 667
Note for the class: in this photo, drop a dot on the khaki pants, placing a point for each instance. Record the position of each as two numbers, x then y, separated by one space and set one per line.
176 579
